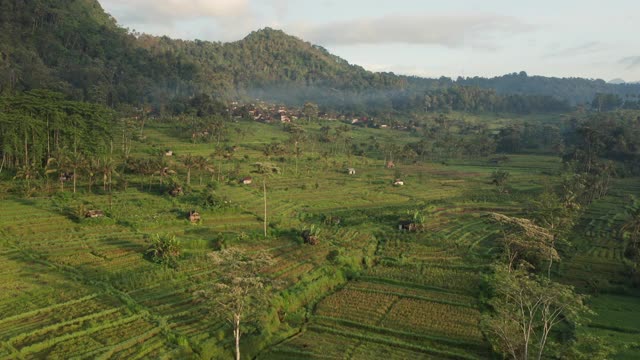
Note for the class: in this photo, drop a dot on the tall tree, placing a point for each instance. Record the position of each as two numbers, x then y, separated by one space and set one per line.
310 110
500 178
526 308
189 161
241 291
554 215
523 241
202 164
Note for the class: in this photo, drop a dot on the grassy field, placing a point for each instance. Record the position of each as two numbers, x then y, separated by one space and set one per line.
74 288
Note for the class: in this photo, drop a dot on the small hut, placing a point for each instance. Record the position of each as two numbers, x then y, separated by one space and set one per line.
194 216
168 153
390 165
246 180
64 177
176 191
398 182
351 171
310 238
94 214
408 226
166 171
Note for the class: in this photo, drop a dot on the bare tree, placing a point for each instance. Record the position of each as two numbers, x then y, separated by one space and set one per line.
526 309
241 291
555 214
523 240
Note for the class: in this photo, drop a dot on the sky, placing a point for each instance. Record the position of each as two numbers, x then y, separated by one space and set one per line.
561 38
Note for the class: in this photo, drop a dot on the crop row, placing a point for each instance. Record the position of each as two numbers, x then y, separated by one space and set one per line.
436 318
438 277
358 306
401 291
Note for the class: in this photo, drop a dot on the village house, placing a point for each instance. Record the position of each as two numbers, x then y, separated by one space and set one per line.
194 216
398 182
94 214
246 180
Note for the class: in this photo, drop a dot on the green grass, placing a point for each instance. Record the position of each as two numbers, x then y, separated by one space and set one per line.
80 288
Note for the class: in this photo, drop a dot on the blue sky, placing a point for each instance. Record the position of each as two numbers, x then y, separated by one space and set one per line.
592 39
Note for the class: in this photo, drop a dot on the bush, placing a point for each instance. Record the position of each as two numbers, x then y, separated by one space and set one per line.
164 250
214 201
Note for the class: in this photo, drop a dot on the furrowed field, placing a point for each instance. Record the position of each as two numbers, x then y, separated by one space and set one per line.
76 288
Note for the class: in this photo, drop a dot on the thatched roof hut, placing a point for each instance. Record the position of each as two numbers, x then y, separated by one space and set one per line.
410 226
66 177
94 214
390 164
194 216
176 191
310 238
351 171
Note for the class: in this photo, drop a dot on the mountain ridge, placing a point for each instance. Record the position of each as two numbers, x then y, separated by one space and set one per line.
75 47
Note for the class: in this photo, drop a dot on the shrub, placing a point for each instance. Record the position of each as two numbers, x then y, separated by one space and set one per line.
164 250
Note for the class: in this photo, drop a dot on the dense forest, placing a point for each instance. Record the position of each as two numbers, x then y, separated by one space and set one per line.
75 48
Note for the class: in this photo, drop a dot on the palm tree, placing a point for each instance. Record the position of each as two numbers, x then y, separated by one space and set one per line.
50 168
71 161
93 166
108 168
202 164
189 162
631 225
27 172
76 161
144 167
161 167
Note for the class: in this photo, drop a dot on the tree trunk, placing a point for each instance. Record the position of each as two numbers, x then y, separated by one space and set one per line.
188 176
236 334
264 191
26 149
553 246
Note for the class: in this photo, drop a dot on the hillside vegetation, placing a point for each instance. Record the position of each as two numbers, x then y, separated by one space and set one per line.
76 48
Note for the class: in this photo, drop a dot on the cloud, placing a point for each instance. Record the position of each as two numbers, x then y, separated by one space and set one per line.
445 30
585 48
631 62
217 20
171 11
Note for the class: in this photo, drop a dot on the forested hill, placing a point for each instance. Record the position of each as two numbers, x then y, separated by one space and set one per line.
575 90
74 47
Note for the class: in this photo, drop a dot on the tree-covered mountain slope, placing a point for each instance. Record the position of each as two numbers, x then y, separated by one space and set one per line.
75 47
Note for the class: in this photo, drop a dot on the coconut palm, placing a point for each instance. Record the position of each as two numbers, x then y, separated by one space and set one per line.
189 162
27 172
202 164
77 162
93 167
107 168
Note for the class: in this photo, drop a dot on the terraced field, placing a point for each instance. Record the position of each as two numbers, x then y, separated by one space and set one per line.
419 302
75 288
598 268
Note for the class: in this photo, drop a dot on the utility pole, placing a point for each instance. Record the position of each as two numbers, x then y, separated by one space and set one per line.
264 192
